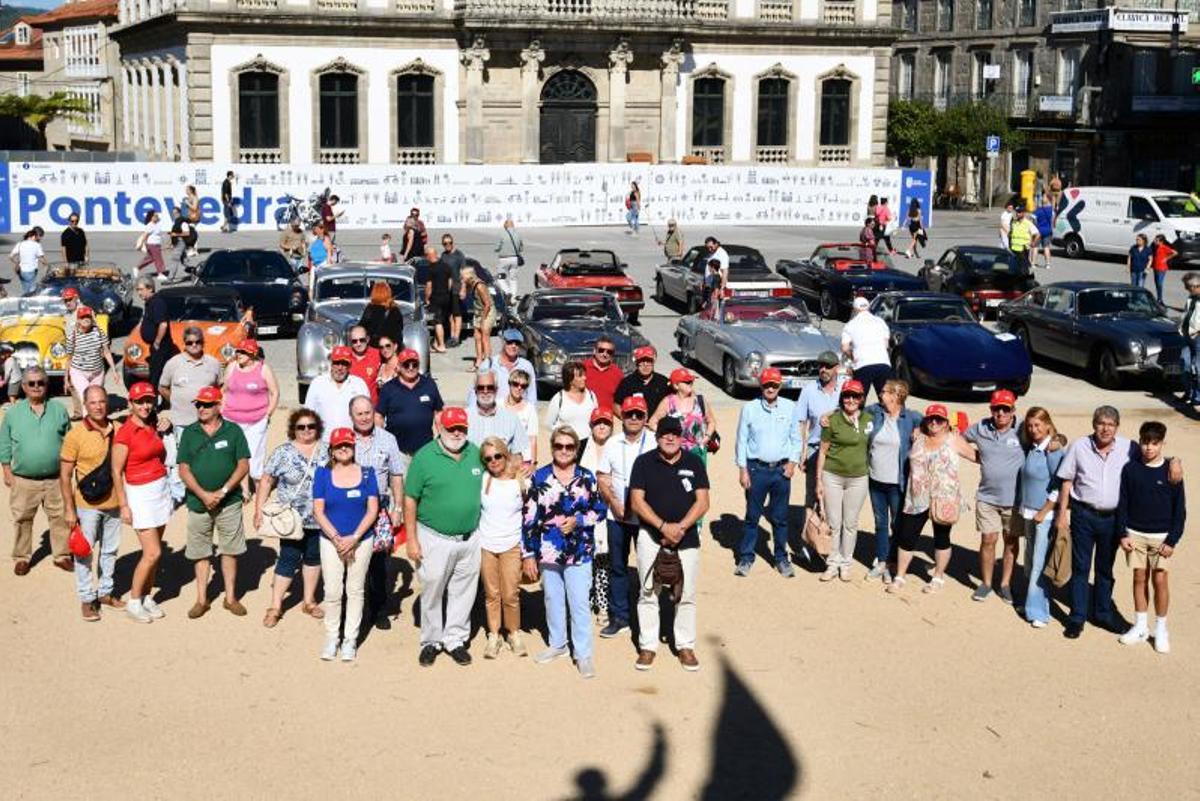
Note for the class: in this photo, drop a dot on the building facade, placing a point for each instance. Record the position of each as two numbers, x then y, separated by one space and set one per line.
506 81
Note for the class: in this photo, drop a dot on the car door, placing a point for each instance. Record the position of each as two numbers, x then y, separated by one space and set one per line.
691 273
1143 218
806 276
545 274
1058 326
707 333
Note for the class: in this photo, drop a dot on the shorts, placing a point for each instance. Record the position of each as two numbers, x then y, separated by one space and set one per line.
1146 553
227 522
456 309
150 504
993 519
439 308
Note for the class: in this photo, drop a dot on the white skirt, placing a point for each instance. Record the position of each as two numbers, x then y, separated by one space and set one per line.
256 438
150 504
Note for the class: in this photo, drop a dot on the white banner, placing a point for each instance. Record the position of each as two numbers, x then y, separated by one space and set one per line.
116 196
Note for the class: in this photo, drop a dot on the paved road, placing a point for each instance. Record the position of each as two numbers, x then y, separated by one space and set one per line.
658 322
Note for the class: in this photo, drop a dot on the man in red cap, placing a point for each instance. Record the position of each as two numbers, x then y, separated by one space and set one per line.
603 374
408 404
644 381
365 360
766 453
330 393
1001 455
213 460
441 497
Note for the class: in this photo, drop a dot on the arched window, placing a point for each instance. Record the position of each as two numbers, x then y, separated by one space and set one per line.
773 112
415 110
258 110
708 113
835 112
339 111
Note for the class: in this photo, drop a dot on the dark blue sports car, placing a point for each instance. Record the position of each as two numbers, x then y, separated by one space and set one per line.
937 344
102 286
835 274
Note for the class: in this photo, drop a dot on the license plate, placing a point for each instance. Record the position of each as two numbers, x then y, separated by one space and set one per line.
752 293
1173 369
268 329
793 382
993 302
983 387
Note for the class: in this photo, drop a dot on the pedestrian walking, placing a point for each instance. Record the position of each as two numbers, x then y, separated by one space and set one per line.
1043 217
150 242
1022 240
415 237
454 258
1039 487
633 207
1189 327
884 219
1006 219
672 244
320 248
501 512
251 397
229 213
1138 260
330 393
330 213
510 257
27 257
916 230
181 234
865 340
74 243
439 294
888 445
842 470
191 212
90 353
483 314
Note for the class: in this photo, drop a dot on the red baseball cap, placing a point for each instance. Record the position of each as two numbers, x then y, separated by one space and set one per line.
1003 397
141 389
248 345
409 355
603 413
209 395
342 353
341 436
453 416
634 402
853 387
682 375
84 311
770 375
644 352
70 293
937 410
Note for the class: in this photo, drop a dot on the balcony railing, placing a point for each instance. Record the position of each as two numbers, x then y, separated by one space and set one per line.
833 155
711 155
337 5
416 155
775 10
338 155
415 6
653 10
257 5
1018 105
260 155
839 13
771 154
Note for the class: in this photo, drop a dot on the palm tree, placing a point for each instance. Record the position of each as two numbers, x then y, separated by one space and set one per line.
39 112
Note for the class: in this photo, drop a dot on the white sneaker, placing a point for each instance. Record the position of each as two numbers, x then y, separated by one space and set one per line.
1162 643
1134 635
349 651
134 608
152 608
1038 624
329 652
831 572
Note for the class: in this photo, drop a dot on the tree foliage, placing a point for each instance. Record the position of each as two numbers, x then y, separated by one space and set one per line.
916 129
912 130
39 111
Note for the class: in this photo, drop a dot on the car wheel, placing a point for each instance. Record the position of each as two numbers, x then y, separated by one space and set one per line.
1104 369
1021 332
660 292
828 305
1073 246
729 379
903 371
693 304
686 358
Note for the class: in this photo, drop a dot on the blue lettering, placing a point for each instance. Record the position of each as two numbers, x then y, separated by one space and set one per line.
144 205
94 207
57 205
29 201
122 205
260 211
210 210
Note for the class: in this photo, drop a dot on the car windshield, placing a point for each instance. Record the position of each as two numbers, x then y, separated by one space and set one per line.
991 262
1131 300
746 260
358 287
589 307
1177 206
749 311
38 304
932 310
246 265
202 307
851 258
594 262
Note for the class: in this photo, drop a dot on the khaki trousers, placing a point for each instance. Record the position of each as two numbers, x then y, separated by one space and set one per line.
352 578
501 574
28 494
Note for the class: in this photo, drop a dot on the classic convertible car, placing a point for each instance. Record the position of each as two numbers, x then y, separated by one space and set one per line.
563 324
754 334
1111 330
835 274
215 310
36 328
265 282
592 269
340 293
749 276
104 287
937 344
984 275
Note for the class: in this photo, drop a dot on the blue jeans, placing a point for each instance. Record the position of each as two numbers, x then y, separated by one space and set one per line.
631 217
565 589
769 489
293 553
102 528
28 281
1191 369
620 537
1037 597
1160 279
886 500
1137 277
1092 533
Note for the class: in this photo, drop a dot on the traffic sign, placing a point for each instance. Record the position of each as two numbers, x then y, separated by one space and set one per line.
993 145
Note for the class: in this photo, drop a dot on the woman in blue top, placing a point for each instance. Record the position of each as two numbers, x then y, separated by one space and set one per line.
1139 259
562 509
1037 492
887 455
345 505
320 250
1043 215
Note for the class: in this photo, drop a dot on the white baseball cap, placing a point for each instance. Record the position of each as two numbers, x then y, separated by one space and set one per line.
861 303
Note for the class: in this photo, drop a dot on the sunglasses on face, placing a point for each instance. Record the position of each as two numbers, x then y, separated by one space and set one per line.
410 365
37 382
359 340
771 385
457 430
306 426
343 446
635 415
204 405
518 384
146 399
386 346
602 423
1002 409
853 398
192 342
494 457
485 387
564 446
609 351
938 420
341 364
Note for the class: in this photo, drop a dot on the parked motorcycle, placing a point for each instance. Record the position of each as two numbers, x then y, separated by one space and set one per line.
308 212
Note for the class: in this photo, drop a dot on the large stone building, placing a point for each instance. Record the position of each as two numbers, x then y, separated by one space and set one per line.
800 82
1102 95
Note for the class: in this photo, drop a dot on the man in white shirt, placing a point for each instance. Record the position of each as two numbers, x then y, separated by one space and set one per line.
330 393
1006 218
27 256
612 475
716 251
865 340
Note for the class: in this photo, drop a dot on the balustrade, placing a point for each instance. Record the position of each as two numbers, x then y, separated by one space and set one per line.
416 155
338 155
260 155
771 154
833 155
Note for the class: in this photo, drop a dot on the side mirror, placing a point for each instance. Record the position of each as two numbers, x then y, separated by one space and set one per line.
929 265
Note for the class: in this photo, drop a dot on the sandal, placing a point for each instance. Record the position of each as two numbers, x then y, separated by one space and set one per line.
935 584
271 618
313 610
896 585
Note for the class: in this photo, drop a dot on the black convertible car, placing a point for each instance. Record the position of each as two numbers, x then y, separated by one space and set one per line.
1111 330
562 324
264 281
835 274
983 275
104 287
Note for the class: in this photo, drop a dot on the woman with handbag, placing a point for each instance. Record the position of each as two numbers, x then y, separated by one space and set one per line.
558 537
502 504
345 505
139 471
934 493
842 470
483 314
1037 498
251 396
290 471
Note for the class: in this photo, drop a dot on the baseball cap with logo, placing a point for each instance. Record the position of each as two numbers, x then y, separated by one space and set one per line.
141 389
1003 397
512 335
341 436
669 425
248 345
70 293
84 311
771 375
342 353
937 410
632 403
409 355
208 395
453 417
644 352
682 375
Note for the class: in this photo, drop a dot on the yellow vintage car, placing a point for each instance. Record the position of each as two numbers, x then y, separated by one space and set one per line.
36 328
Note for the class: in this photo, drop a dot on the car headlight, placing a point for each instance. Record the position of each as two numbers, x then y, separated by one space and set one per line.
1189 235
227 351
329 341
109 305
1138 349
58 350
552 356
754 362
297 299
133 352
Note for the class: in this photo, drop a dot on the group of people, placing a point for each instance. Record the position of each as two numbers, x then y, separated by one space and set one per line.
880 223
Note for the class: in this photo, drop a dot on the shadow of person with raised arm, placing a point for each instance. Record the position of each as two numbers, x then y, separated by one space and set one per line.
593 782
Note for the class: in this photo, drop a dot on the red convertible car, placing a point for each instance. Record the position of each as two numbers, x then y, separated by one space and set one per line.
592 269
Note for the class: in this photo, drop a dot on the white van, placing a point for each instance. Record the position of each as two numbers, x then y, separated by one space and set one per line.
1105 219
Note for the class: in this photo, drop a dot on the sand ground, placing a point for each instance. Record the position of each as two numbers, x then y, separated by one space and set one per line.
806 690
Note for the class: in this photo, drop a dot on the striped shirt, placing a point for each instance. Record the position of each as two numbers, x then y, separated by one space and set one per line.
87 349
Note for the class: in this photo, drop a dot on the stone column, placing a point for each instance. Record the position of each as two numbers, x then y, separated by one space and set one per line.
156 95
619 59
124 104
135 102
668 104
531 64
473 58
144 79
185 115
168 70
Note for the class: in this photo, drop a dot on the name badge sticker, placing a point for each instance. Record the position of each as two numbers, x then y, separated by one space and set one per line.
354 493
687 473
687 485
424 399
475 471
222 444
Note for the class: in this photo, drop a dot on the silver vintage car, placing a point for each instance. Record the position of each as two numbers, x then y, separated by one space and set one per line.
753 334
339 294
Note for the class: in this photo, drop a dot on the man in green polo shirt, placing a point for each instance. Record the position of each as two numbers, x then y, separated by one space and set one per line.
442 495
213 460
31 438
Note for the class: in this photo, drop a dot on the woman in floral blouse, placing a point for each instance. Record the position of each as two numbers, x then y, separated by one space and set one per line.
561 512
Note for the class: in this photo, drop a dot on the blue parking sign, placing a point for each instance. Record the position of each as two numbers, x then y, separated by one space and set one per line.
993 144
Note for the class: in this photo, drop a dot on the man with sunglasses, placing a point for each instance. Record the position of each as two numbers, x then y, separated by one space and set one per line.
767 452
407 404
365 360
644 381
31 438
613 469
185 374
441 498
503 365
487 418
603 375
213 459
74 243
453 258
329 394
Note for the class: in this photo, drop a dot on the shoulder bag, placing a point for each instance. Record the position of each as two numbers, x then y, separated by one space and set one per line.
281 521
666 573
516 250
944 510
714 441
817 533
98 484
1058 561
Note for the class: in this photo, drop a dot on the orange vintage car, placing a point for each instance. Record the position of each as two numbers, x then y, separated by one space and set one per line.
214 310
